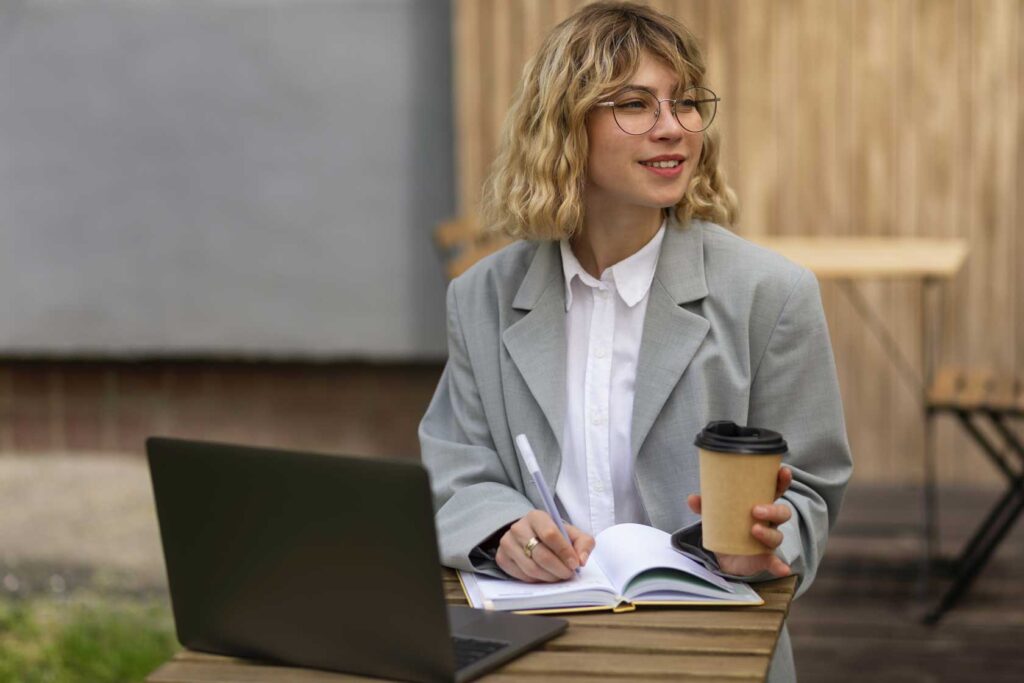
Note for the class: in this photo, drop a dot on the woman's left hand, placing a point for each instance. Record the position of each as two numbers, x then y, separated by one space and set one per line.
765 531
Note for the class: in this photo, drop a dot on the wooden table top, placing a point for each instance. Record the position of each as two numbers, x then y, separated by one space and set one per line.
710 644
871 257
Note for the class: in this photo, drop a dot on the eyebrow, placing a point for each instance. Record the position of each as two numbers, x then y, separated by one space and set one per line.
676 87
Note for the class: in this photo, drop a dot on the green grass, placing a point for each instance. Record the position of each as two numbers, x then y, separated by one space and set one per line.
87 640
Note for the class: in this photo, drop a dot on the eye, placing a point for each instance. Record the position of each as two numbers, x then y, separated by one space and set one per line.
632 104
687 103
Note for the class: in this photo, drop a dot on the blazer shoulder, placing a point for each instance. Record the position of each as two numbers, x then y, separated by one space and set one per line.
754 283
496 277
735 261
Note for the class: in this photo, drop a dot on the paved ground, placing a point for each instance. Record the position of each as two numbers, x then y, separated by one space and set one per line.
82 519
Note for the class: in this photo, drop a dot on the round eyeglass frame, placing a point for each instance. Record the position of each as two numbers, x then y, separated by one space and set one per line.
714 99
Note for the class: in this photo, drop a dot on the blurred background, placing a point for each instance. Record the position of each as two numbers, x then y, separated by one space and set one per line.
236 219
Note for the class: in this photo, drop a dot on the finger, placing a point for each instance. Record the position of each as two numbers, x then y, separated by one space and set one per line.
779 568
773 514
514 550
693 500
511 568
551 563
582 542
521 529
539 524
534 570
772 538
784 480
550 535
528 564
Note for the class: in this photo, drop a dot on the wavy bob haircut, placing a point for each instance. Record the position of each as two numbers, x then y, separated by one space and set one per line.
535 189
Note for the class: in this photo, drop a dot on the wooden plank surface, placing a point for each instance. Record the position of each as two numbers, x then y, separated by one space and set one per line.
702 643
872 257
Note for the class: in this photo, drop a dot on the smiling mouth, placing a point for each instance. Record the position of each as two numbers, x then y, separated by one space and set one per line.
662 164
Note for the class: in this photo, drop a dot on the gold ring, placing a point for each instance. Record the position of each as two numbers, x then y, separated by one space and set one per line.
530 545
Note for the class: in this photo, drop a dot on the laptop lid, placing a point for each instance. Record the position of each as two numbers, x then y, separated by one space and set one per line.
323 561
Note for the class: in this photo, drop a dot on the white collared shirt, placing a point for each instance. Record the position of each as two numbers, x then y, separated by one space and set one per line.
604 325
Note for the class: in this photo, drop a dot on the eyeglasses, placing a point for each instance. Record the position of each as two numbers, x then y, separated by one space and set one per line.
636 111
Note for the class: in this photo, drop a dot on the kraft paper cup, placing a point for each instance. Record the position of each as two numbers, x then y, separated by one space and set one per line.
739 469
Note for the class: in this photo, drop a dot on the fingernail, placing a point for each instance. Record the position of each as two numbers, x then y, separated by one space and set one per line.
583 558
760 510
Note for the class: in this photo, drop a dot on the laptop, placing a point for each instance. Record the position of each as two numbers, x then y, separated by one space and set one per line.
319 561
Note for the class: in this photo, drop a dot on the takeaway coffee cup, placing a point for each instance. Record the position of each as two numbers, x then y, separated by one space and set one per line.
739 468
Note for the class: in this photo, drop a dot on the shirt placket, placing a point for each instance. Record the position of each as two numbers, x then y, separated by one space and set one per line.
596 409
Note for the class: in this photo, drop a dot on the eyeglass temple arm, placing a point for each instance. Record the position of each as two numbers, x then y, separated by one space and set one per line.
713 99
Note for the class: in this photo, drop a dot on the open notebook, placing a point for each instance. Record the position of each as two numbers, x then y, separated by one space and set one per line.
632 564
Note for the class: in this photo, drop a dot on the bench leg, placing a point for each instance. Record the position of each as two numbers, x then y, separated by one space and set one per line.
1004 467
930 557
981 547
996 525
987 447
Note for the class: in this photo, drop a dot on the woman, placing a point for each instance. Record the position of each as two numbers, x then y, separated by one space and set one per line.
622 321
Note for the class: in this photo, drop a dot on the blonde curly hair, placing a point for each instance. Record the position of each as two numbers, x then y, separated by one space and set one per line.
535 188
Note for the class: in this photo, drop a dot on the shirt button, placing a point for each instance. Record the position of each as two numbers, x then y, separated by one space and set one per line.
599 488
600 353
596 421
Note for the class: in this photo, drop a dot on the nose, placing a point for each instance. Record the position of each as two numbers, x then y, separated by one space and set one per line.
667 127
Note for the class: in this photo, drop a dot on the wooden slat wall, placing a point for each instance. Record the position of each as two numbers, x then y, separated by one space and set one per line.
852 117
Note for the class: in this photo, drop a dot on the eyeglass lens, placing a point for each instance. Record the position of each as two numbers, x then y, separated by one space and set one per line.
636 111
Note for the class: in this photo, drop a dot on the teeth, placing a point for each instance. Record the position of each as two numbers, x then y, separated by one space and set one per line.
661 164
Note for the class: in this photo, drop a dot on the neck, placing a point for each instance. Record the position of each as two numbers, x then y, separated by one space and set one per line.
612 235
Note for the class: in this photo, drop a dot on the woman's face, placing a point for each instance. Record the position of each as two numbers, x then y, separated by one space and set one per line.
618 164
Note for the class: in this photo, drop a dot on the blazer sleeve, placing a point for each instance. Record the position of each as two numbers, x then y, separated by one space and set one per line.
795 391
473 493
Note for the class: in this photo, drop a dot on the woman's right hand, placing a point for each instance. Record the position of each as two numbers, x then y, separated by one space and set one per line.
553 559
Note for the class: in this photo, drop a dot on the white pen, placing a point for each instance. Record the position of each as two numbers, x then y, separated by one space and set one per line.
526 453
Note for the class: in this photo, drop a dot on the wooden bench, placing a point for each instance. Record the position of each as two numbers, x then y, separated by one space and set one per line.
976 397
962 389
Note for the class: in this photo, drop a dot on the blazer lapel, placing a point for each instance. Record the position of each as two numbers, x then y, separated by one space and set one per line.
536 344
671 333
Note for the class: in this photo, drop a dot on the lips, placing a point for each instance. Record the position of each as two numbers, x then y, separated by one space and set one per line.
664 161
665 165
662 164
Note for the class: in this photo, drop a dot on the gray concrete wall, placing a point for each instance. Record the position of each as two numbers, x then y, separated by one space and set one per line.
224 177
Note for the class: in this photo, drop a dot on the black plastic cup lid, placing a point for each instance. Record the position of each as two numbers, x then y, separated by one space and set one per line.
725 436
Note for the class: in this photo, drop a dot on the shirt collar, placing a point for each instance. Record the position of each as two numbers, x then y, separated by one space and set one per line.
632 276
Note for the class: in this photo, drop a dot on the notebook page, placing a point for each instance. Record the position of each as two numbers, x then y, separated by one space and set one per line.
625 550
486 589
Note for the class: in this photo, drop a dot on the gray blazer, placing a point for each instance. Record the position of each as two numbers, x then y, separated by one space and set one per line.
732 331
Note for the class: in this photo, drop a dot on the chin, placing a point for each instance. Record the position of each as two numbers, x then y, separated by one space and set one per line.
666 198
666 202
